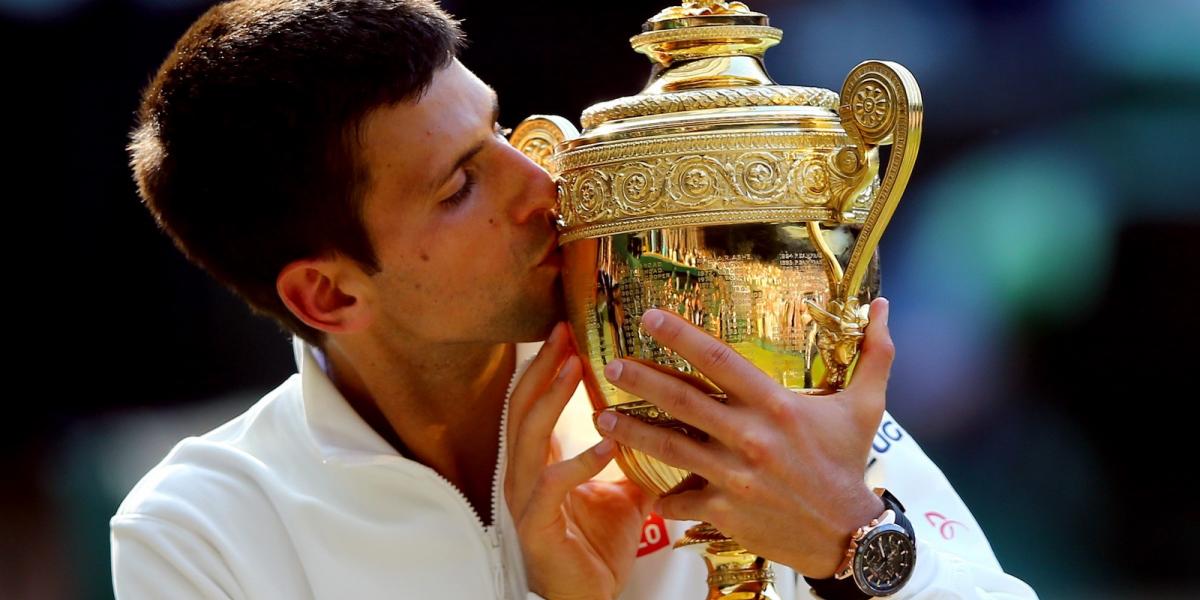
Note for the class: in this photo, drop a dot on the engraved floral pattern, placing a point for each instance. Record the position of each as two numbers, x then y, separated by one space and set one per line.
697 180
724 145
761 176
636 187
816 179
871 105
813 183
566 210
683 184
847 161
591 193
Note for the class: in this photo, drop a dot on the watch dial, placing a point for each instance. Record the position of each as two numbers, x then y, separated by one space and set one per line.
884 560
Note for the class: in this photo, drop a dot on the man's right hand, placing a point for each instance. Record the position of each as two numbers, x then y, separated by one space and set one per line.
579 537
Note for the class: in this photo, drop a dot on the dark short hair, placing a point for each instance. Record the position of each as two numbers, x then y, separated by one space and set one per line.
246 149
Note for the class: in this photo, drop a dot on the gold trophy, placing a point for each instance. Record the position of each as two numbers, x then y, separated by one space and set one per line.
752 209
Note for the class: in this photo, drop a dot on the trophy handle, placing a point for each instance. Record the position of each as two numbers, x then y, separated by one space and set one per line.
880 104
537 136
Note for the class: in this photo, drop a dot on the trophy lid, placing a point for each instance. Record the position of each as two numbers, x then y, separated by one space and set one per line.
713 140
707 55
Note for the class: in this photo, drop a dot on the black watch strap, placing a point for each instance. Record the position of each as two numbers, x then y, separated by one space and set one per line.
893 503
832 588
836 589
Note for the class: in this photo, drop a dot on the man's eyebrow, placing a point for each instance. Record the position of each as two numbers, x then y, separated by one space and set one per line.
471 152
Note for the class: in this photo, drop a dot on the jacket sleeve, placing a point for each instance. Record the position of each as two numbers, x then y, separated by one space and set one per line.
954 558
154 558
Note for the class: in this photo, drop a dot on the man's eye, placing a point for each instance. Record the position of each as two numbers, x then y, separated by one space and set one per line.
457 197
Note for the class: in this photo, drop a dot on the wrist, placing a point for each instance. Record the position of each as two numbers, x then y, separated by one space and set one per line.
880 558
864 507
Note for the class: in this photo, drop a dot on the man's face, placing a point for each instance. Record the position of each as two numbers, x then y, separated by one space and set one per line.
460 220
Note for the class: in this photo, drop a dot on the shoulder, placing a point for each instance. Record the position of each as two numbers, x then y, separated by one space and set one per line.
220 470
191 524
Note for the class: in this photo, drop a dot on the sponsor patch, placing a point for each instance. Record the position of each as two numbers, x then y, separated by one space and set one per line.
945 525
654 535
889 432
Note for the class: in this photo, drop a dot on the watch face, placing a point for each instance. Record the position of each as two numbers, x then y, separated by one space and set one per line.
884 560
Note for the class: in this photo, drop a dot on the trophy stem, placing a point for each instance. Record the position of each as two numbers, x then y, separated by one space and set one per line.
733 572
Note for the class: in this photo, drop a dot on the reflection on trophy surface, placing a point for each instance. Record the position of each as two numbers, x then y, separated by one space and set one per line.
752 209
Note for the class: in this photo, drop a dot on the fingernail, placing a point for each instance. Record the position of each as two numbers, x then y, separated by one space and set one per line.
886 310
605 421
612 371
555 334
605 447
567 368
652 319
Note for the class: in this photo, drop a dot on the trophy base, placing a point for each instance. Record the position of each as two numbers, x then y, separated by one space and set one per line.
733 572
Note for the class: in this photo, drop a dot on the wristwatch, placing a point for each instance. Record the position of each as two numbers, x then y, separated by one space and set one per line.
880 559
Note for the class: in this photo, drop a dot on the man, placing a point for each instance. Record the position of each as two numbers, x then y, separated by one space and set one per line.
333 163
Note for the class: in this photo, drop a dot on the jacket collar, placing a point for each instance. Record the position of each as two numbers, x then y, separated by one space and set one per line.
336 429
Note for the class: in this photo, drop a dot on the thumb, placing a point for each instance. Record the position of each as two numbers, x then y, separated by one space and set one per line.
559 479
869 382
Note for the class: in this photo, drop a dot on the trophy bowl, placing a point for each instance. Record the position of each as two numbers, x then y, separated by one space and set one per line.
750 208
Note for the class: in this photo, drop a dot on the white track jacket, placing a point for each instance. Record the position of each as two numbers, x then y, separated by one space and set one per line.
299 498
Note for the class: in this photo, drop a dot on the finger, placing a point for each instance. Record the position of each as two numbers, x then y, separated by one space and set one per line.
676 396
667 445
645 501
696 505
718 361
544 506
537 377
555 450
869 381
531 444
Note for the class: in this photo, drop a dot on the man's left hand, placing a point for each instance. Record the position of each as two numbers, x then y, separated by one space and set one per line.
785 471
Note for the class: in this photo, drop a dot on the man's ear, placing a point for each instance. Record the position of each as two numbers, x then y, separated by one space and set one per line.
327 294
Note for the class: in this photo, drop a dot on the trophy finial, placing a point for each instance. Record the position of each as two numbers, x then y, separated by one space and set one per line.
702 8
706 29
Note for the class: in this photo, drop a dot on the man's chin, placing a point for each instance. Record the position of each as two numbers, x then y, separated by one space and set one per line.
538 316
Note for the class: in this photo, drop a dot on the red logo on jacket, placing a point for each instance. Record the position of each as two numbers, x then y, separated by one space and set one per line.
654 535
944 524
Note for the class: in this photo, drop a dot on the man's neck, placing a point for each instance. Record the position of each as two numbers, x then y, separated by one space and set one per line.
439 405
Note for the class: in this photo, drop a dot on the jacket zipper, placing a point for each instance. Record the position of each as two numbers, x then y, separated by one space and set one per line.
492 535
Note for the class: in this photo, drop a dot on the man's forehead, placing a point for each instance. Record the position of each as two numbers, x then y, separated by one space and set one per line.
424 137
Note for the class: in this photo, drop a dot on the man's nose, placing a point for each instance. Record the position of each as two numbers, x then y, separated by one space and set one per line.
536 195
